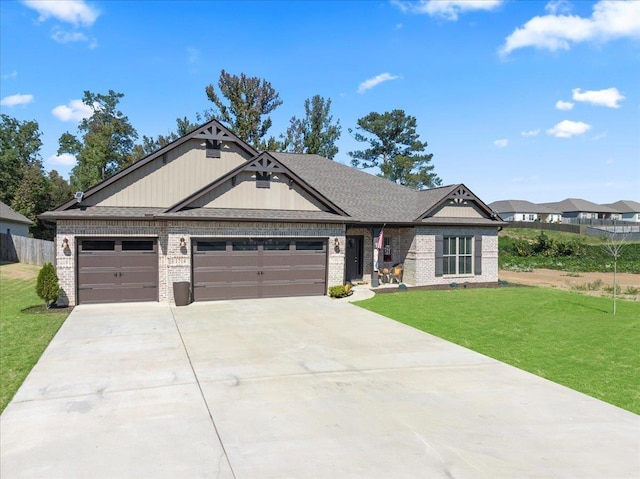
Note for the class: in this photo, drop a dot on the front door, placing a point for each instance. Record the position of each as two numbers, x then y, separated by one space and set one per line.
353 258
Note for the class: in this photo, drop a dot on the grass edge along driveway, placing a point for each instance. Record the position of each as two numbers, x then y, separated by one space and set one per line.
569 338
23 335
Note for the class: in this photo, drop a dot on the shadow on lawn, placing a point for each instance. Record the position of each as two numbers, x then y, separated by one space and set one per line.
589 307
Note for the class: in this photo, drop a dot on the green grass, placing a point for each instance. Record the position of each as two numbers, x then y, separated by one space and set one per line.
568 338
23 335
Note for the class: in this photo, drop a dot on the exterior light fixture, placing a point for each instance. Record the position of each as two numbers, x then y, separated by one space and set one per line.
183 242
65 243
337 242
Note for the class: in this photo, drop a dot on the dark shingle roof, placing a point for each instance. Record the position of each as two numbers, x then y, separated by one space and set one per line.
571 205
624 206
103 212
520 206
9 214
253 214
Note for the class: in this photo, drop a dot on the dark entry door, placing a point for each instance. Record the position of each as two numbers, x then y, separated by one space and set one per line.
353 258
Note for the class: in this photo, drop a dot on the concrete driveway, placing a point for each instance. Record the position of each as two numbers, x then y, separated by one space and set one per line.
294 388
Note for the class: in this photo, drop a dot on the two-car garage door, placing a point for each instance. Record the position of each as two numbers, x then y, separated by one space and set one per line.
258 268
113 270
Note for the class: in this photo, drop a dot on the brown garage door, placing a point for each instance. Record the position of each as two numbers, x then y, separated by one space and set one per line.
243 268
117 270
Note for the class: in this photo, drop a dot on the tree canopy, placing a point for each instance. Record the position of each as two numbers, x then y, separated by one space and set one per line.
19 148
315 133
394 147
249 100
150 144
105 141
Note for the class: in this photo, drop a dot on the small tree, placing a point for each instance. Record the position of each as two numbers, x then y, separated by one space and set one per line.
47 285
613 246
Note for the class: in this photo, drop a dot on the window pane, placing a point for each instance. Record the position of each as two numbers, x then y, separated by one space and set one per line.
247 245
310 245
465 245
211 246
464 265
277 245
449 266
137 245
94 245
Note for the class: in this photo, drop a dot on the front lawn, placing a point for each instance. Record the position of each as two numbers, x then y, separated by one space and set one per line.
23 335
568 338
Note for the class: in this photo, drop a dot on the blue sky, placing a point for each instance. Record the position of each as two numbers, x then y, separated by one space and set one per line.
518 100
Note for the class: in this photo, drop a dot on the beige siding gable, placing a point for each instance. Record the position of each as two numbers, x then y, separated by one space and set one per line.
171 177
452 209
245 194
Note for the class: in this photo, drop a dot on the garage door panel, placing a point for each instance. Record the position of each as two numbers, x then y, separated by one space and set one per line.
259 268
112 270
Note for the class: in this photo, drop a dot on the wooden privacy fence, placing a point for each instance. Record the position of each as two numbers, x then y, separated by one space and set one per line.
26 250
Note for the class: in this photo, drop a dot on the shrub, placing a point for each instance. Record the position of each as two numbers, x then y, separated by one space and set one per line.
47 285
632 290
340 291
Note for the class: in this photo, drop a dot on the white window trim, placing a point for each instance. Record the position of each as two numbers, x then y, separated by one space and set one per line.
457 256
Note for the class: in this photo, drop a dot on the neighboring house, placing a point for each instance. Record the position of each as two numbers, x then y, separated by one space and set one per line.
520 210
627 210
12 222
578 209
236 223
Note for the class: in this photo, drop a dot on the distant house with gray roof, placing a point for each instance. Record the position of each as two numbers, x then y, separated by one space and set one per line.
232 222
627 210
12 222
579 209
521 210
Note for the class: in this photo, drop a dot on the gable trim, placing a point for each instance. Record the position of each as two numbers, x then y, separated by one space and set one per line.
264 162
213 129
461 194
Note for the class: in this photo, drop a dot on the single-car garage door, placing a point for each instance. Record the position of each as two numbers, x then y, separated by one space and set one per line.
114 270
249 268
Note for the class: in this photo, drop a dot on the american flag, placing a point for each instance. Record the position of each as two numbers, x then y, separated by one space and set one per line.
380 243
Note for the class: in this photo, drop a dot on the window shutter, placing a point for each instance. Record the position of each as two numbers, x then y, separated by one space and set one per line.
439 241
477 253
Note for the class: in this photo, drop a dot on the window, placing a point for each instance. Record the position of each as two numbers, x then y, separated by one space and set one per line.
457 255
276 245
263 179
247 245
137 245
97 245
531 217
213 148
211 246
310 245
387 249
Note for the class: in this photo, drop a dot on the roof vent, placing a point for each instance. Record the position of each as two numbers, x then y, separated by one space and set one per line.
79 195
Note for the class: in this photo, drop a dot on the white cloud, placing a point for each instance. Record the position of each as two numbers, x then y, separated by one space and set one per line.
76 12
503 143
564 105
15 100
10 76
375 81
76 111
65 159
448 9
531 132
61 36
610 20
609 97
558 6
568 128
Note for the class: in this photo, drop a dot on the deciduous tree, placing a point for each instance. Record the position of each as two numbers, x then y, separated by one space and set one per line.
19 148
395 148
246 106
150 144
105 141
32 197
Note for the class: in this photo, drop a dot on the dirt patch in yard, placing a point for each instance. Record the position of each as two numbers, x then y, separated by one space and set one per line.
19 271
590 283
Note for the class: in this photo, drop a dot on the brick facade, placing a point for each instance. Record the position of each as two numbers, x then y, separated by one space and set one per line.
174 262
